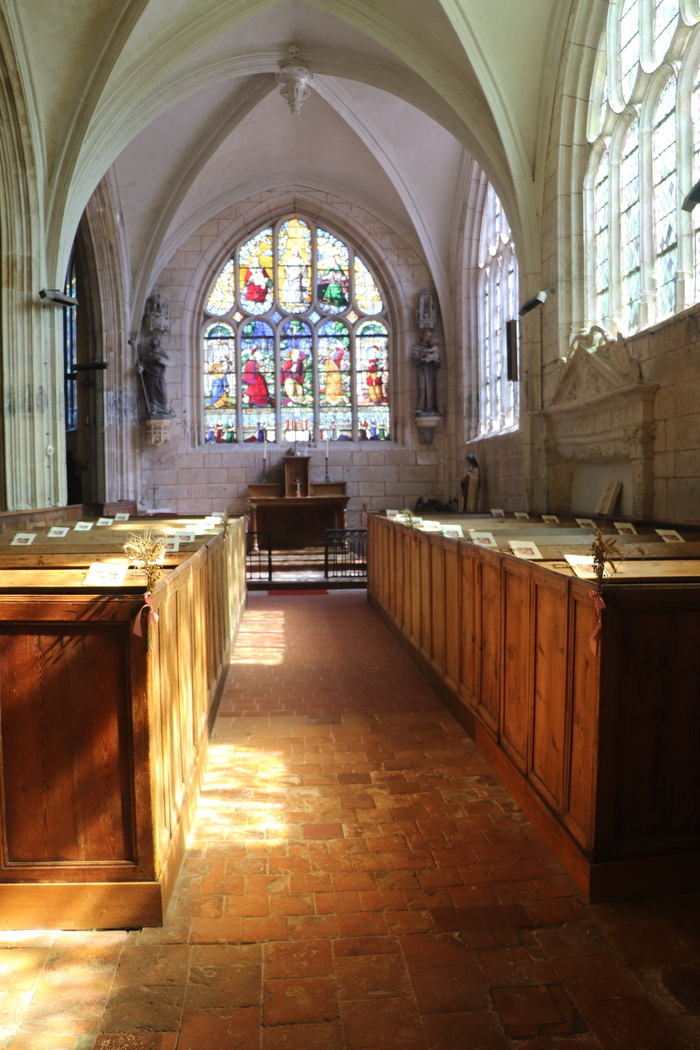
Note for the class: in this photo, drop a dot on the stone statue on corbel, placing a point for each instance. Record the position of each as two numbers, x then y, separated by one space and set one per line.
151 363
426 357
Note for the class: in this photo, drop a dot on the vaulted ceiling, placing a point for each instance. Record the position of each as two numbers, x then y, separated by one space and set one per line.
177 100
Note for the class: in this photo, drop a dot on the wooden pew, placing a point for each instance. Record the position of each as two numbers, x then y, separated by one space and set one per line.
599 745
105 734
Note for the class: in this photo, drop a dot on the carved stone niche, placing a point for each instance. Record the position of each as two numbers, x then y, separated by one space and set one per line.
157 432
601 413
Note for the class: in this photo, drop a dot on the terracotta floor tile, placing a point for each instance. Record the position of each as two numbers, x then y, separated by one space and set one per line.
440 989
436 950
349 946
516 966
386 1023
372 977
304 927
368 850
228 1029
536 1010
625 1024
313 999
298 959
332 903
326 1036
478 1030
590 978
133 1041
254 931
361 924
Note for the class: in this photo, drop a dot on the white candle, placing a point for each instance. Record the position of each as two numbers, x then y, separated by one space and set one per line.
264 445
326 448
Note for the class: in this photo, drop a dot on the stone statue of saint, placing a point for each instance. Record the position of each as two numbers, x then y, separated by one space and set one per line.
151 367
470 487
426 355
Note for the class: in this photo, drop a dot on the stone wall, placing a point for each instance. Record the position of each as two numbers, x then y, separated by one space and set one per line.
191 477
500 460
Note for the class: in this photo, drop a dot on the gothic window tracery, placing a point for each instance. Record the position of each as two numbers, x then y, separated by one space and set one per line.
296 342
642 249
497 291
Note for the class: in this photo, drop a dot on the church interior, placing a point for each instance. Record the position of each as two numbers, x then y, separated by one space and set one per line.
291 266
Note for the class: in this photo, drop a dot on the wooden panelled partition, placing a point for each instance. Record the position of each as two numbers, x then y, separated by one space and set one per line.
601 750
104 736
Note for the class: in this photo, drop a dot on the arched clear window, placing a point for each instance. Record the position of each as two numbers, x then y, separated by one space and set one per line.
630 230
665 17
601 226
629 46
637 116
498 290
664 197
296 342
695 119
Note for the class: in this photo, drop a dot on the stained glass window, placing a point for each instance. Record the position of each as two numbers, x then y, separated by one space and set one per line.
664 190
498 296
299 350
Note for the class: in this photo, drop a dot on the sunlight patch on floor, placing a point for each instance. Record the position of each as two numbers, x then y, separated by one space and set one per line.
244 782
261 639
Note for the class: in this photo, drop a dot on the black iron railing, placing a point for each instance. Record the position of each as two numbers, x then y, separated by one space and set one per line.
258 556
345 553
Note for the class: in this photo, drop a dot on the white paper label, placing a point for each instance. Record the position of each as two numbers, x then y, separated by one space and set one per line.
23 539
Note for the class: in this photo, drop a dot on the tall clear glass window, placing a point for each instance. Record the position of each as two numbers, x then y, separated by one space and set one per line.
296 342
498 294
633 193
666 14
629 46
695 119
601 202
70 348
630 232
664 188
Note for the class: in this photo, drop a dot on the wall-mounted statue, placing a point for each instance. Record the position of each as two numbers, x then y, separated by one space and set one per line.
151 367
426 355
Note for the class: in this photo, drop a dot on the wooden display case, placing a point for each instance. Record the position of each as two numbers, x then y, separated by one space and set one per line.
598 743
104 734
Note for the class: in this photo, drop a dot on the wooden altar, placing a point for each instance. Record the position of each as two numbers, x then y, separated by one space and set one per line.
295 511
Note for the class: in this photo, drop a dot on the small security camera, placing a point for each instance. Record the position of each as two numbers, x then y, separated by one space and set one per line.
532 303
693 198
52 295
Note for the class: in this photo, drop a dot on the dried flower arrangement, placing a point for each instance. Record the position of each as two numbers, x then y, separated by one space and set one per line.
606 551
145 551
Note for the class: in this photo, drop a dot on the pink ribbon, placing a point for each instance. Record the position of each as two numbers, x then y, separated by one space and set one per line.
599 604
152 617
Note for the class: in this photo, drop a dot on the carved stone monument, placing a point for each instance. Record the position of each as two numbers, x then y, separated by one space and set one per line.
601 413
